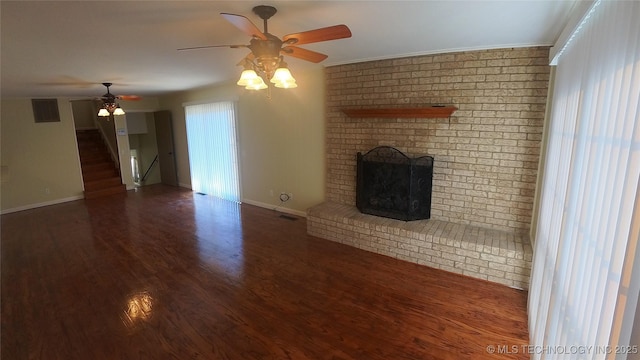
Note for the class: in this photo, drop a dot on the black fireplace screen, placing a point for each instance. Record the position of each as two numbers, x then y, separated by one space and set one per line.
390 184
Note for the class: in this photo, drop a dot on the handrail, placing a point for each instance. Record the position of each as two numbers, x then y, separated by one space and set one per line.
155 160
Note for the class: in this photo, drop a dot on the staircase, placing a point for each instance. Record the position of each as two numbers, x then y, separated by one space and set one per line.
99 173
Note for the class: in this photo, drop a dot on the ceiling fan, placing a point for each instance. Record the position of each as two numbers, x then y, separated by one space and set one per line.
110 105
267 50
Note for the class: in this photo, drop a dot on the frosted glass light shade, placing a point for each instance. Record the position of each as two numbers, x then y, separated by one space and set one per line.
257 84
247 77
103 112
286 84
118 111
282 75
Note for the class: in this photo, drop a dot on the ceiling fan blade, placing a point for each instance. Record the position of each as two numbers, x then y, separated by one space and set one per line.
212 46
318 35
303 54
66 80
129 97
245 25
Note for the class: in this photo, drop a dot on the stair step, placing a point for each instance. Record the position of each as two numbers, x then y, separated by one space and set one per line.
99 175
90 148
98 159
87 134
121 189
97 166
94 185
85 153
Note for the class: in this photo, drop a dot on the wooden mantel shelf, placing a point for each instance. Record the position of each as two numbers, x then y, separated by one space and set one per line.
421 112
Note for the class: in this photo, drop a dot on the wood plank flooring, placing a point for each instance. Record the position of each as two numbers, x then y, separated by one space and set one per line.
162 273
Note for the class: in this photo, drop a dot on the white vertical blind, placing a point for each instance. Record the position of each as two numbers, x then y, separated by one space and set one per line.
213 154
590 182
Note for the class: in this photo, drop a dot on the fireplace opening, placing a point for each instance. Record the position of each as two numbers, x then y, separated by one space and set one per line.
393 185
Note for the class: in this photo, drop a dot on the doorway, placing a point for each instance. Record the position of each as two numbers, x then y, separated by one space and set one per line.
151 148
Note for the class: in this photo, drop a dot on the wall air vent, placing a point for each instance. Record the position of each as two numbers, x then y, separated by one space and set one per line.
45 110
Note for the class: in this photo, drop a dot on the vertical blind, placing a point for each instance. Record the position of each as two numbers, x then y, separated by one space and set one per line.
213 154
589 186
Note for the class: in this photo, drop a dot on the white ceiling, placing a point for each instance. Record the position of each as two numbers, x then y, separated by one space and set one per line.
67 48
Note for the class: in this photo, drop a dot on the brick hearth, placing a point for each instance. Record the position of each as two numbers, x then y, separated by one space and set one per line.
488 254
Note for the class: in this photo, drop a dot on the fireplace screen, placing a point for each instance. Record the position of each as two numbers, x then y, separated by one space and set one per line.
390 184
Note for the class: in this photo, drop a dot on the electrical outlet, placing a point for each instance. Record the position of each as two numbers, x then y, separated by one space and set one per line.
271 192
290 196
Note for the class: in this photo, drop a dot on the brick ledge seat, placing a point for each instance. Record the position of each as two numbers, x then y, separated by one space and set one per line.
493 255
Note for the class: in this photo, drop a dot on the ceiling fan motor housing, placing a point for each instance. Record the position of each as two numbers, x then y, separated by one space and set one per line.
267 54
266 48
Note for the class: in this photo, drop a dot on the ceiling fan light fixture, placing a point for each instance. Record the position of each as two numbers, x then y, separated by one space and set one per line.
109 104
110 108
265 60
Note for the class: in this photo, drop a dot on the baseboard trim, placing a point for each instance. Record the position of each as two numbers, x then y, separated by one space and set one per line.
42 204
275 207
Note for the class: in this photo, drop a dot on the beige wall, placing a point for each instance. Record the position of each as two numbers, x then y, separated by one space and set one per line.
485 155
145 104
281 139
40 163
84 114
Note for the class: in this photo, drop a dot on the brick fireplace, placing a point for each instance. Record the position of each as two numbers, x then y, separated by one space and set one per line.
485 154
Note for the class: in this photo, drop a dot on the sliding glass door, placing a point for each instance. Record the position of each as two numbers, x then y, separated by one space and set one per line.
213 149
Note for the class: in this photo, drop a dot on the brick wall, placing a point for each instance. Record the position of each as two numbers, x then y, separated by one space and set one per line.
486 154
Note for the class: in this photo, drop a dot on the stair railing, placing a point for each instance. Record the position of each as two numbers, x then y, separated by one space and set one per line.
155 160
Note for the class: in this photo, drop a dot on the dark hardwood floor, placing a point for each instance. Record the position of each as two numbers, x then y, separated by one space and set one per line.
163 273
